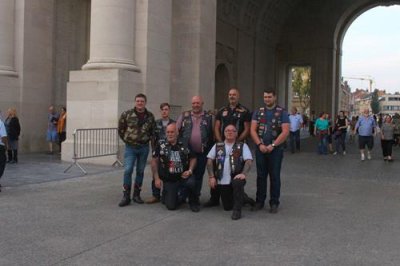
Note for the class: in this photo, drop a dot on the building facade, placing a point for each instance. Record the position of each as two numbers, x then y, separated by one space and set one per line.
389 104
94 55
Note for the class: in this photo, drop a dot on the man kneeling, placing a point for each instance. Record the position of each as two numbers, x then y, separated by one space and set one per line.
228 164
172 167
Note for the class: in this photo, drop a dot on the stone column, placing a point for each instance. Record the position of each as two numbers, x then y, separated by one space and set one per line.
112 35
193 51
7 12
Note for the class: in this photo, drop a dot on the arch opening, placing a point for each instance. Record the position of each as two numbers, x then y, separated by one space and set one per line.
362 69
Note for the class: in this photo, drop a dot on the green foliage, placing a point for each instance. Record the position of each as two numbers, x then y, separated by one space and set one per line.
375 102
301 85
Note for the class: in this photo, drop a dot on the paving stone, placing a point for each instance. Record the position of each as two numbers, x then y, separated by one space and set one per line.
335 210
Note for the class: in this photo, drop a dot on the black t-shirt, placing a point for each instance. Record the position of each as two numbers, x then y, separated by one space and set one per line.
341 122
236 116
171 166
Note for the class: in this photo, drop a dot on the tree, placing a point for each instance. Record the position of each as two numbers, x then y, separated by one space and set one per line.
301 85
375 102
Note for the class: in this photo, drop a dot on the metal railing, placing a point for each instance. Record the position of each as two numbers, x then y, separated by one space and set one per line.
93 143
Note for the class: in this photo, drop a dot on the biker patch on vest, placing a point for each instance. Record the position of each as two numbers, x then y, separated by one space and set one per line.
274 126
173 161
219 159
237 114
277 122
236 161
262 122
205 126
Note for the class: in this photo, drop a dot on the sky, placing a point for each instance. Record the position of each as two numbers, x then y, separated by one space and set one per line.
371 47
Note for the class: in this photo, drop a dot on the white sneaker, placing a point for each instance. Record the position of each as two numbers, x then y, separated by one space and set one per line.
369 156
362 157
335 153
344 152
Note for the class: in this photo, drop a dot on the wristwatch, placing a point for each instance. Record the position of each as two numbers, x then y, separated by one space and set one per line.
273 145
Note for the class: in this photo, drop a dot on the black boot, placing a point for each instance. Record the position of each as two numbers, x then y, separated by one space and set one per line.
214 199
9 156
126 199
136 195
248 200
15 157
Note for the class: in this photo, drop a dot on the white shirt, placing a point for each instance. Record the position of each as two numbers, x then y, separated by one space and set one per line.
3 132
295 122
226 175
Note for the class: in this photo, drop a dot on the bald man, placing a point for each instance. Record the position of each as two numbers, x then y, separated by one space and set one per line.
196 133
235 114
172 166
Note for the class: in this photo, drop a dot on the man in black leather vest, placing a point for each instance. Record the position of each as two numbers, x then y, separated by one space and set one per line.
172 166
232 114
228 165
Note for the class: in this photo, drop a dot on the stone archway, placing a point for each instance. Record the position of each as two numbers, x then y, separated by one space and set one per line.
222 84
269 36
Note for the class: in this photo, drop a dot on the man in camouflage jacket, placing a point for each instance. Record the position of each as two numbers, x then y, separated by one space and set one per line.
135 128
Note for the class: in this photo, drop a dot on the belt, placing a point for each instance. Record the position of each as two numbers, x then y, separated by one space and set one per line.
137 145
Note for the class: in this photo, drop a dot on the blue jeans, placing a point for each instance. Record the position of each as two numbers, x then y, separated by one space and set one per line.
323 144
294 140
269 164
134 154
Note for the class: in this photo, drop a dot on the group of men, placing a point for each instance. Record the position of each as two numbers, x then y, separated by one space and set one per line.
183 150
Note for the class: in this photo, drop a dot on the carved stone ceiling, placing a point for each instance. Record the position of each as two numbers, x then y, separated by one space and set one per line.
262 17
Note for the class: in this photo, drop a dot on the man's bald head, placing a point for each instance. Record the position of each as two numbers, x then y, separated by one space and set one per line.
171 132
197 104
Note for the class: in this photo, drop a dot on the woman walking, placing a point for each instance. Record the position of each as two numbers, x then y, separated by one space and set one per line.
13 131
387 130
61 126
321 131
341 124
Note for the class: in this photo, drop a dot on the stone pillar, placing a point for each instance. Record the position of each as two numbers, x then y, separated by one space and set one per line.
7 28
193 51
108 83
112 35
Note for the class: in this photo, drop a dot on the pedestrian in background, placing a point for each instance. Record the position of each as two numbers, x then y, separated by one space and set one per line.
387 130
341 124
296 122
61 126
13 131
330 132
52 121
396 132
321 130
353 123
366 127
311 123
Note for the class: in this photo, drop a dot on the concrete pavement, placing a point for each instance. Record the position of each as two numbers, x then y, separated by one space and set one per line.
335 210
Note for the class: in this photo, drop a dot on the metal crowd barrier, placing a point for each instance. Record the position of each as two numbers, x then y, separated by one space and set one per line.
93 143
